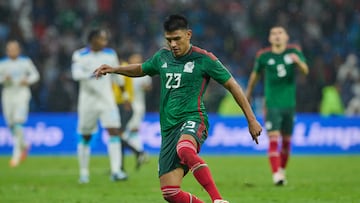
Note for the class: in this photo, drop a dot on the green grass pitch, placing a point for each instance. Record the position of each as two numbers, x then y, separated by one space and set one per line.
53 179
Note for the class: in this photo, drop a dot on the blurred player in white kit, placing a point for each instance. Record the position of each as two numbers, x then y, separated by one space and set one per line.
140 85
96 102
17 73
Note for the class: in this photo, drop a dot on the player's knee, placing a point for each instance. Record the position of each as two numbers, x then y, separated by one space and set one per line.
85 139
185 150
188 155
169 193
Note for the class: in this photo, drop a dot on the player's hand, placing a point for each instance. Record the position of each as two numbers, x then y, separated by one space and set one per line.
103 70
127 105
7 78
294 57
24 82
255 130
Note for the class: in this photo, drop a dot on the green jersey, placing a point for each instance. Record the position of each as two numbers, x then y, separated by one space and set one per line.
183 83
279 70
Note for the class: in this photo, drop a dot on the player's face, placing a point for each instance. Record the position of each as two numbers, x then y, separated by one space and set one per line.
178 41
100 41
278 36
13 50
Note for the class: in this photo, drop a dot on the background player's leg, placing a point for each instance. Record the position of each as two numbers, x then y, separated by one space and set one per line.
20 148
83 152
132 140
285 150
15 159
284 154
274 157
125 115
114 150
273 152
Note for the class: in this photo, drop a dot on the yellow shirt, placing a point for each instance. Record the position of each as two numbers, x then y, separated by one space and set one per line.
128 87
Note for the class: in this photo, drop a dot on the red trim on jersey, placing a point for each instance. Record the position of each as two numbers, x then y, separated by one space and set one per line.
267 49
165 47
203 51
263 50
293 46
202 126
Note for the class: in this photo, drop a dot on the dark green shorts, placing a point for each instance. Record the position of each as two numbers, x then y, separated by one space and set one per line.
168 158
280 119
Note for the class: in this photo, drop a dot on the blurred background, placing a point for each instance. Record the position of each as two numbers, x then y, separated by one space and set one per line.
327 30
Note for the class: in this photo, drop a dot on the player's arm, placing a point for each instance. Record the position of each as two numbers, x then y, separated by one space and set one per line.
78 71
32 74
254 78
234 88
130 70
299 61
3 75
303 67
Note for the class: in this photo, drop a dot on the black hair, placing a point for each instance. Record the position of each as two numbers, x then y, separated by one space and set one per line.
93 34
175 22
279 26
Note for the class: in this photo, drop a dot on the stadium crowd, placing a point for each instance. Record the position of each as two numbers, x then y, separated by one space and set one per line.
328 32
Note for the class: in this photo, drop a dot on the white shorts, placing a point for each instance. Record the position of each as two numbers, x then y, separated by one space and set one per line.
16 109
89 116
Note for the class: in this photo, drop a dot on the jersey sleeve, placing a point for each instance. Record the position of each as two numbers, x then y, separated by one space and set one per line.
77 69
2 72
151 66
216 70
258 67
300 54
32 73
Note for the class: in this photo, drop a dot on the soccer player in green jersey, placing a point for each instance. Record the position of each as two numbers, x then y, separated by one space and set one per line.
278 63
185 71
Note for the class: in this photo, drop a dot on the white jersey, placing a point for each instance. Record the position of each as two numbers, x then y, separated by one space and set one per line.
15 95
17 70
96 97
84 63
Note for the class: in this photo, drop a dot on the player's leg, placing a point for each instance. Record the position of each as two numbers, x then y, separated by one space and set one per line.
16 152
272 124
110 119
132 134
287 128
171 171
15 114
115 155
187 151
170 187
274 156
20 116
21 148
87 125
83 154
125 112
285 150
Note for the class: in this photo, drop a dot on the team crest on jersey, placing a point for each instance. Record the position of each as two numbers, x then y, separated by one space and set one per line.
189 66
271 61
288 59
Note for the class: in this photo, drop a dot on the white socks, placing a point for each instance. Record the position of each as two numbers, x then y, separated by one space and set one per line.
18 142
114 150
83 151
